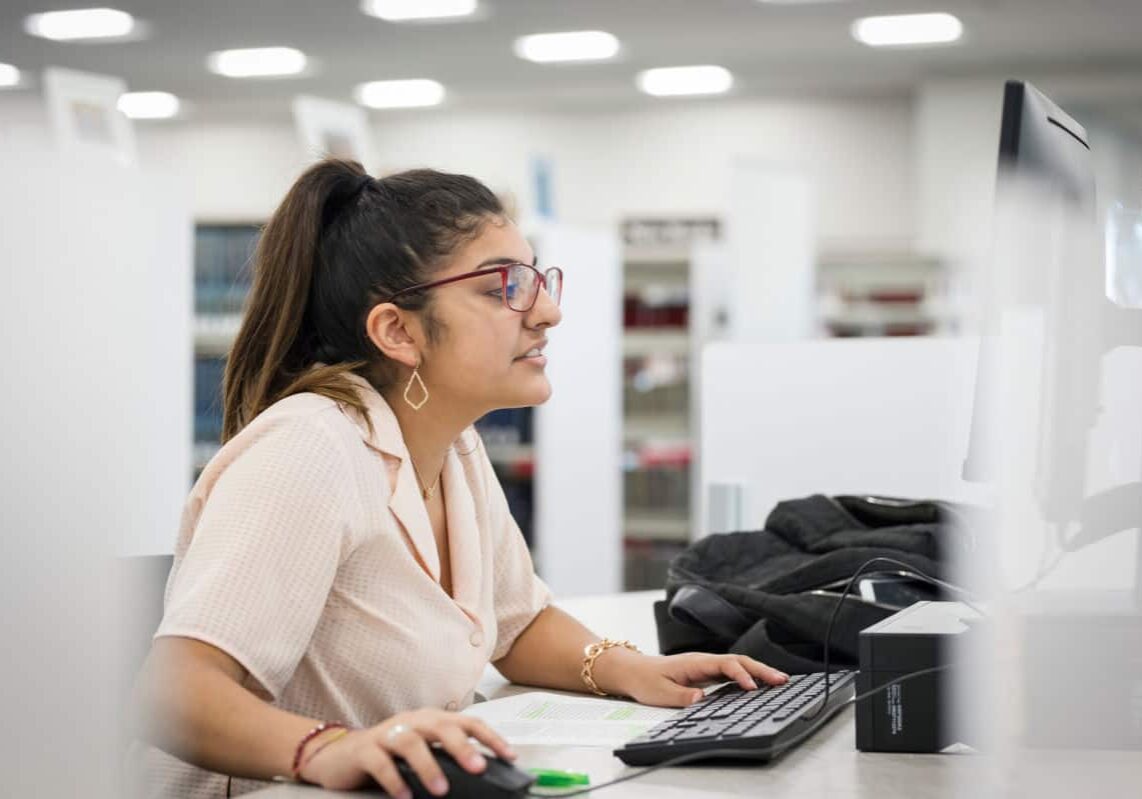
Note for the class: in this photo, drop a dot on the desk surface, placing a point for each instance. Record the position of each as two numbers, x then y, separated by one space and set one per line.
826 765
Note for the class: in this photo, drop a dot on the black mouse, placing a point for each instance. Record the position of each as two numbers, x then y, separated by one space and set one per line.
500 780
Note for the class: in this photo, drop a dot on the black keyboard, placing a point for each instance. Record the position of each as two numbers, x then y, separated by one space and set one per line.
756 722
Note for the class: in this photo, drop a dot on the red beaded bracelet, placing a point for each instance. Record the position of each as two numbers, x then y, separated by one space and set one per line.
309 736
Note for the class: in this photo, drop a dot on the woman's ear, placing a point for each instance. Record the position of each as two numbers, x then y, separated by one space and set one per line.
394 332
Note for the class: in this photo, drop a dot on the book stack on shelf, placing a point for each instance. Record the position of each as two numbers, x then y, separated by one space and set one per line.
507 436
222 254
656 394
207 409
883 294
221 267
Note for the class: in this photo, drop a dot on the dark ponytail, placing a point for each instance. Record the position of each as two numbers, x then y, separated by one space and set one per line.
339 243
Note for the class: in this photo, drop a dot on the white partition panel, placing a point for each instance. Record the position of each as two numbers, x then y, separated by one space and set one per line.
95 423
97 307
578 500
881 416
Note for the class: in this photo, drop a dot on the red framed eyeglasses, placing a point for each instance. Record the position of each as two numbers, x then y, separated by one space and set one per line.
520 284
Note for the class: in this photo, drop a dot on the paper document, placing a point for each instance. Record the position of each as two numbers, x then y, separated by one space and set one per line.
556 720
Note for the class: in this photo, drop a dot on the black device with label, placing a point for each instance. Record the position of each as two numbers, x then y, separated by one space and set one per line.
915 715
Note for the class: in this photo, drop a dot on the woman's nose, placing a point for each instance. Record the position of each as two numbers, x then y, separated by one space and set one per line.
545 312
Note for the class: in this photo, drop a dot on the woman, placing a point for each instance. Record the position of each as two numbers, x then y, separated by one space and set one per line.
348 555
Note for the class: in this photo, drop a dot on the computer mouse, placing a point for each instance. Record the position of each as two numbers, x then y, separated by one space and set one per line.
500 780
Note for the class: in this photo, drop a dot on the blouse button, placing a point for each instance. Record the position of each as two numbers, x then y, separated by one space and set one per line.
476 638
451 706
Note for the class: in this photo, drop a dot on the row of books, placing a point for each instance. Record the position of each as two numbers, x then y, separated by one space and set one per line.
506 426
639 313
646 561
657 489
222 255
669 399
208 398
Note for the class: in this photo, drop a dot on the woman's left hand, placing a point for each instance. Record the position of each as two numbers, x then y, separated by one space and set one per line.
676 680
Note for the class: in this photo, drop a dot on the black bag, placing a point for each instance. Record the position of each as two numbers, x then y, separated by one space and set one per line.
769 593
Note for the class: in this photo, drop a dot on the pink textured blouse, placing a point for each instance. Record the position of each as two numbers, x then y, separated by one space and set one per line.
306 553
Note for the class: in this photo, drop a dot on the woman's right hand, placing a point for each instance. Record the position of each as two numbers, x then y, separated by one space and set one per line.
362 755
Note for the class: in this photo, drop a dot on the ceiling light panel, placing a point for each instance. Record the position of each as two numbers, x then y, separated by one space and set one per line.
414 10
399 93
149 105
81 24
9 76
546 48
257 62
685 81
903 30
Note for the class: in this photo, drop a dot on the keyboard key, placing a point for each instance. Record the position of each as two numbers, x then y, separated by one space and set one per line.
699 734
767 727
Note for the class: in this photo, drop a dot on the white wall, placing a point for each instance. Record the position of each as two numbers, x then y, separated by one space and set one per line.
856 153
235 172
1117 163
956 153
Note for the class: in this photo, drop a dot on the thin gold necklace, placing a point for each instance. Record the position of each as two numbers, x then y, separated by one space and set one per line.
425 493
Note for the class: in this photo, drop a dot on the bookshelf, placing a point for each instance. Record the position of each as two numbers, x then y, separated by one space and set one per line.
657 355
883 293
222 253
509 439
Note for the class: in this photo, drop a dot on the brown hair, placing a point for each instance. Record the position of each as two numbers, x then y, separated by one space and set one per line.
339 243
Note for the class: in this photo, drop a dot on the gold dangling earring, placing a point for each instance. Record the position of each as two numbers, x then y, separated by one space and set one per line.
416 406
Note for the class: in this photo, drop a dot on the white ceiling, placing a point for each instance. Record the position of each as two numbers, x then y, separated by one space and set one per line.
1091 49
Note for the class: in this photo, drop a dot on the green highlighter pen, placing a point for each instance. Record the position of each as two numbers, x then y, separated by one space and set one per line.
553 778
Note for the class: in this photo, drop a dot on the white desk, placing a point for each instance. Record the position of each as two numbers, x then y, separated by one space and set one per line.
826 766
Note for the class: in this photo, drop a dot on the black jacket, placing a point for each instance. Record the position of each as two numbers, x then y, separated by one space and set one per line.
760 593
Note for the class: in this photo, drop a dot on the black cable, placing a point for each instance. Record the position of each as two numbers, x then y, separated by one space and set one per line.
752 753
911 570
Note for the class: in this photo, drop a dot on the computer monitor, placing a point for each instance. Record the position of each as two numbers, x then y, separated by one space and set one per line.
1038 139
1047 294
1054 408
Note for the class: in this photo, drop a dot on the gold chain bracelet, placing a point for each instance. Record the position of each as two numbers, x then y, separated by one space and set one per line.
591 652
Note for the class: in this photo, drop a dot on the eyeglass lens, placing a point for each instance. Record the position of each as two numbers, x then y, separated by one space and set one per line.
523 287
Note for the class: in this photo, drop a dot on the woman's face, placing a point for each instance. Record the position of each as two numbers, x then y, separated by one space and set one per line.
478 363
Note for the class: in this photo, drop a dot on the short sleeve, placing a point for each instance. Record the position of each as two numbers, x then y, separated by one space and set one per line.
263 555
518 593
